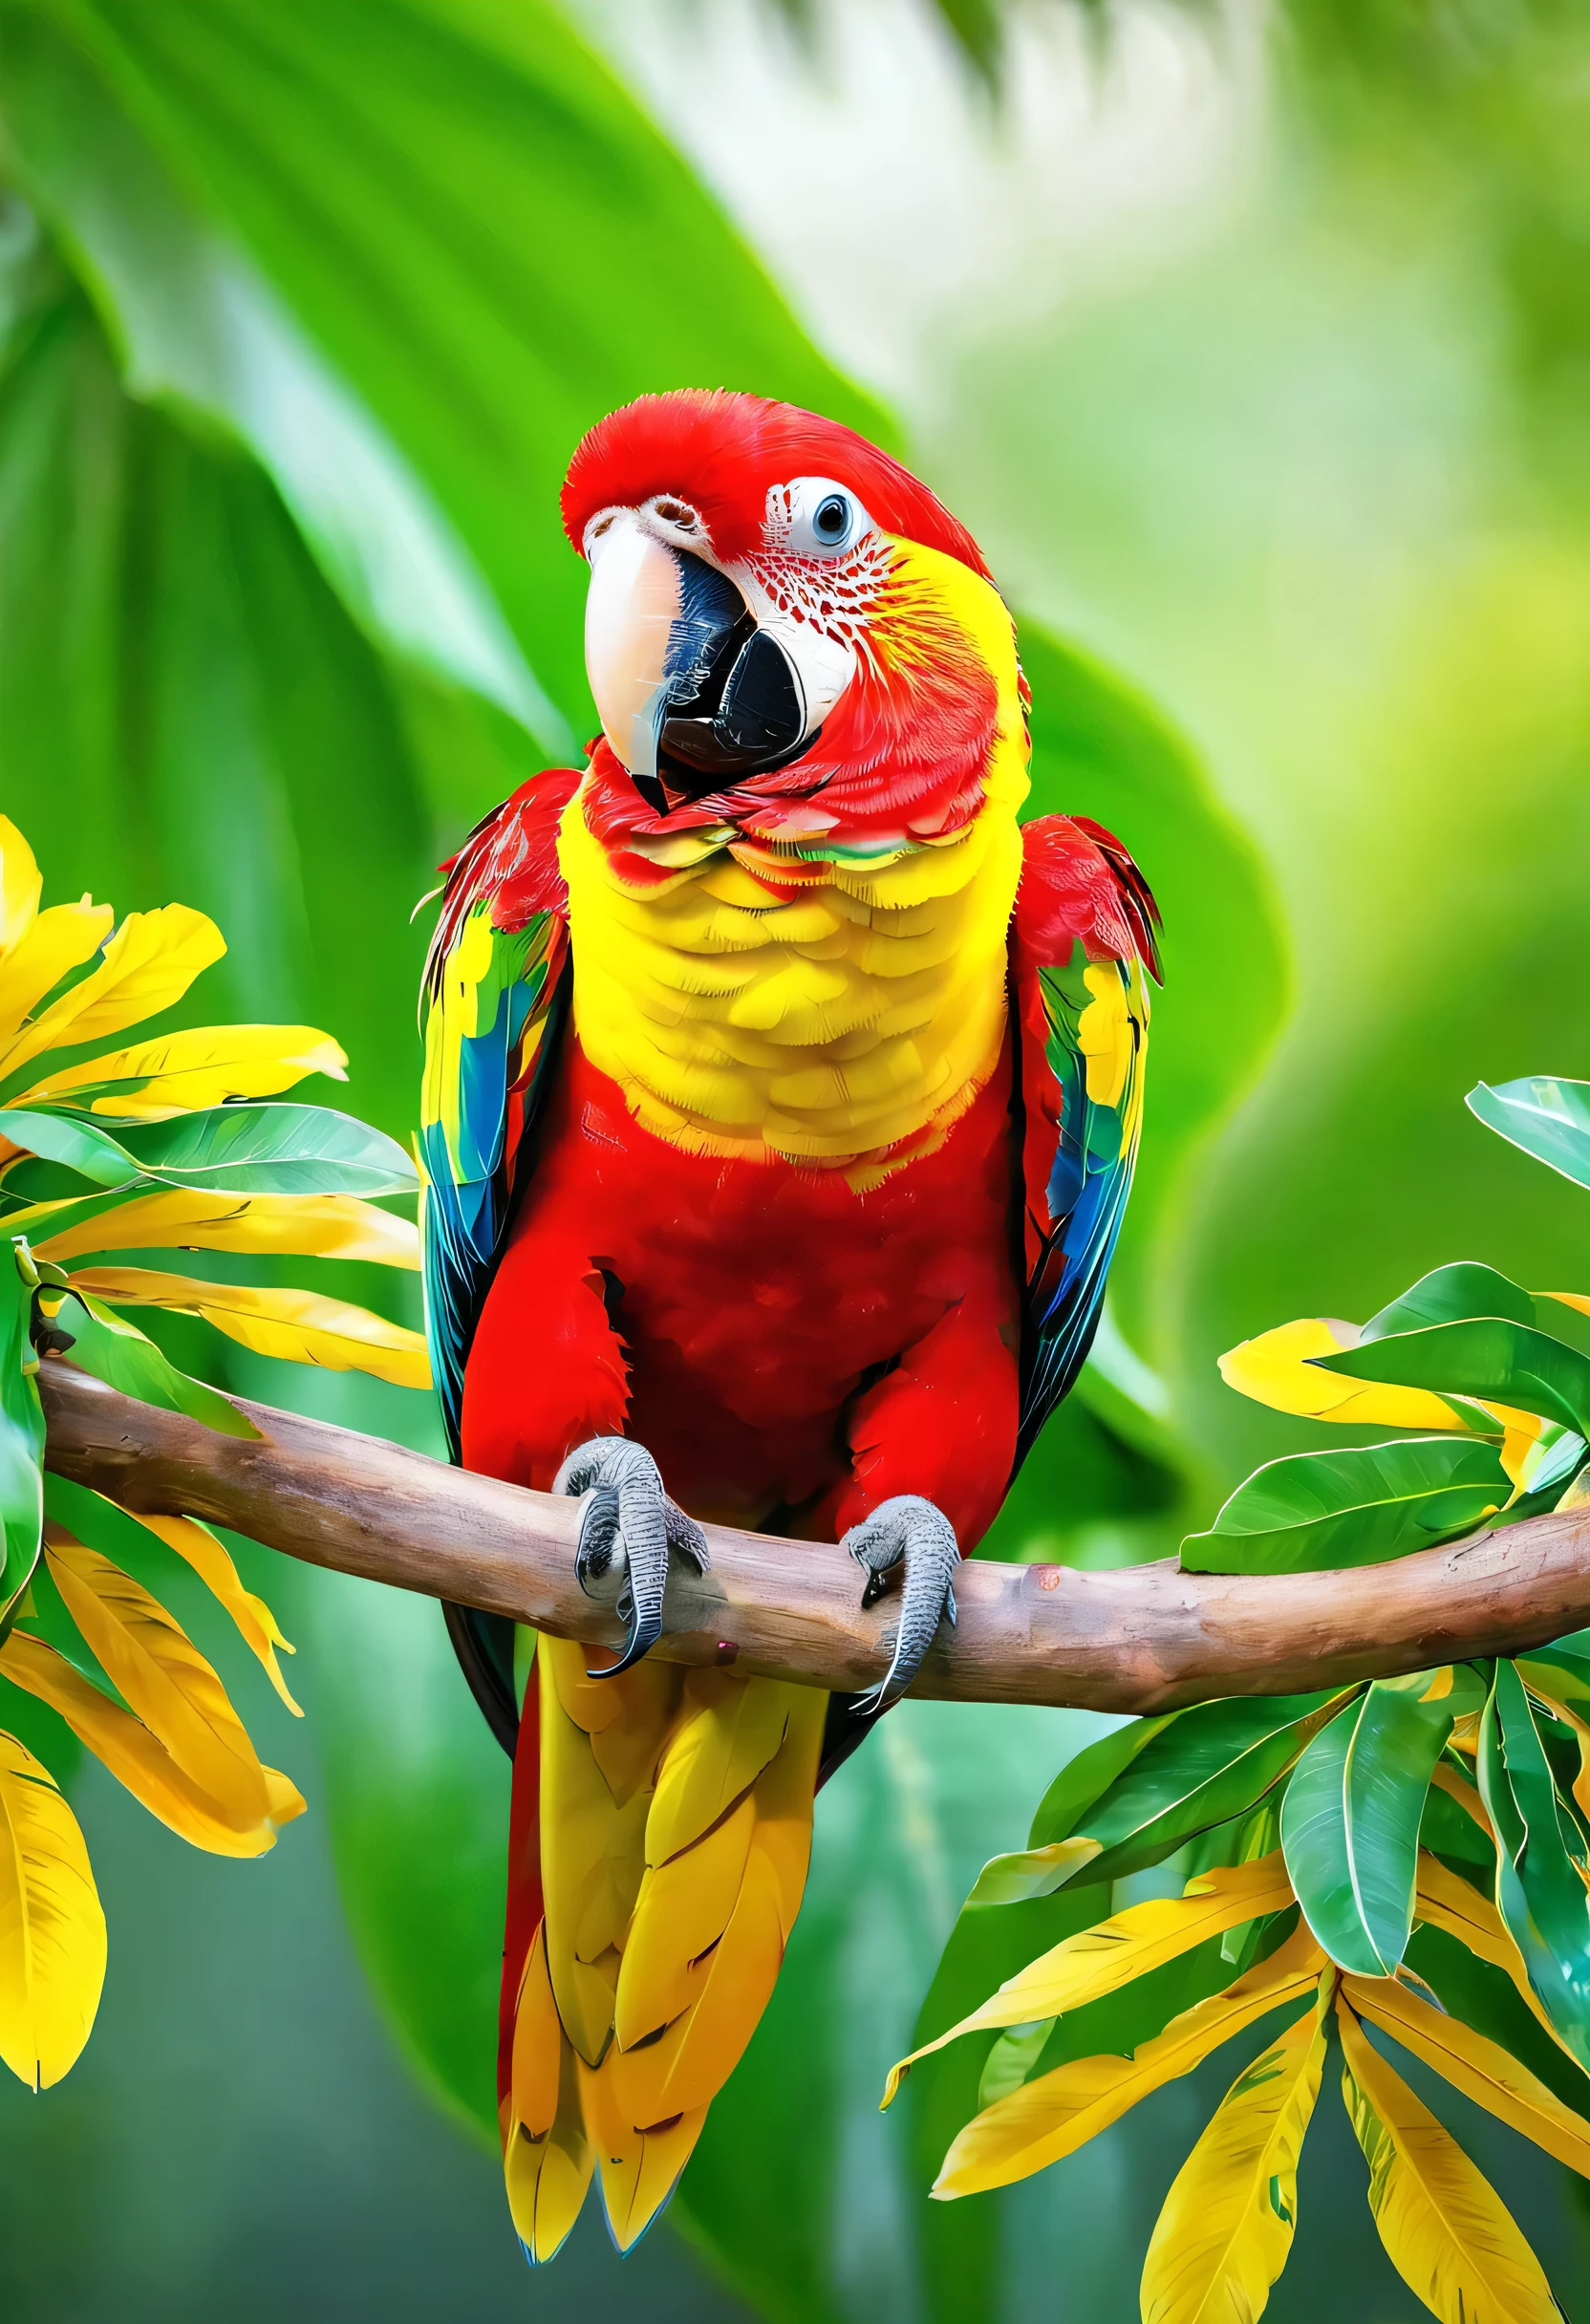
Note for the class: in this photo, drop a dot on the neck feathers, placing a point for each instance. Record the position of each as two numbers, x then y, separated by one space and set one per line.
769 990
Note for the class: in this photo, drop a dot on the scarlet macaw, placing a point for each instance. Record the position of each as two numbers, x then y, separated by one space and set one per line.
781 1102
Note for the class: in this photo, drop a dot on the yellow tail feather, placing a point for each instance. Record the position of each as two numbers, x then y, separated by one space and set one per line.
676 1830
547 2158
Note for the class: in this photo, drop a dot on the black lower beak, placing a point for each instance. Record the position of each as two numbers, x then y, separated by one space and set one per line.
746 716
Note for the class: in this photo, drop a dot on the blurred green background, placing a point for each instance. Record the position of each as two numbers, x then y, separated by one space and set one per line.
1256 348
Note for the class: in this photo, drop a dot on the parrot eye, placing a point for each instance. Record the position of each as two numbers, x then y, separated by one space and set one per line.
816 517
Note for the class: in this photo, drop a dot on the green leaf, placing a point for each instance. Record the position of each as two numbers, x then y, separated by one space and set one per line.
1448 1831
1540 1892
116 1351
1032 1872
1357 1507
1544 1117
1350 1825
61 1137
1560 1671
1090 1774
1451 1295
1488 1358
470 225
21 1437
1197 1768
1485 1997
270 1149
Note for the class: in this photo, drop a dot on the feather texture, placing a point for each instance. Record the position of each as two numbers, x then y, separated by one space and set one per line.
1083 948
676 1832
769 1232
494 1000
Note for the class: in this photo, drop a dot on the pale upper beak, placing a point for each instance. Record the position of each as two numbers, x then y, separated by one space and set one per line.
693 692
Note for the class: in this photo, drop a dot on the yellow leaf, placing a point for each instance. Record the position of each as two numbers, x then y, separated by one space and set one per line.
1103 1958
1445 1779
1445 1899
1225 2233
59 939
21 885
1274 1370
149 962
137 1760
299 1325
185 1071
304 1226
149 1658
256 1624
1052 2117
51 1929
1480 2067
1449 2237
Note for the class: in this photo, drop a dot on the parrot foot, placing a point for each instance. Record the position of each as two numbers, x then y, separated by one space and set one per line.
628 1517
909 1532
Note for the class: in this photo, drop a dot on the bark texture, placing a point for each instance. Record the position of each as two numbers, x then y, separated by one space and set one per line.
1139 1639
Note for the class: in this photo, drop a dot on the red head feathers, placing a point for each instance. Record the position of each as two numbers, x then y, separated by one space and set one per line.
722 452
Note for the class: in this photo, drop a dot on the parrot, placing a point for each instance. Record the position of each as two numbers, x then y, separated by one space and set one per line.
781 1096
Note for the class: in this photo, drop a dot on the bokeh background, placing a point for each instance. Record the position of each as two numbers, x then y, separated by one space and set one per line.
1255 345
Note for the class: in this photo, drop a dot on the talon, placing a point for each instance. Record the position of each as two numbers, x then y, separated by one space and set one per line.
628 1517
910 1532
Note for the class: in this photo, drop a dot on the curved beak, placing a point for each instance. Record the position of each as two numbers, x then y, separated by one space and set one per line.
691 693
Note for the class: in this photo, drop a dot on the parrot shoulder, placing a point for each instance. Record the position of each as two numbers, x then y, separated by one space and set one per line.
1083 947
494 997
509 862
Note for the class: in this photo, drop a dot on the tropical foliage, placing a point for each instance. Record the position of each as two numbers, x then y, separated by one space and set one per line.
159 1145
1410 1853
303 310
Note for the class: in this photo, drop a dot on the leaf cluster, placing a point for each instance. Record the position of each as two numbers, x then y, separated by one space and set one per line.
1410 1854
159 1145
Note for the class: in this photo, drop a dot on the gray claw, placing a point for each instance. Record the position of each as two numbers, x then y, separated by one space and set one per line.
628 1515
910 1531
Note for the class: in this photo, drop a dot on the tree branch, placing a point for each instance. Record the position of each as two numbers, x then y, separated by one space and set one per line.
1138 1639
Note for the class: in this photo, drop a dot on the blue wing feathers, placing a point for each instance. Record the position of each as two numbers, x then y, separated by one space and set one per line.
1084 1026
495 999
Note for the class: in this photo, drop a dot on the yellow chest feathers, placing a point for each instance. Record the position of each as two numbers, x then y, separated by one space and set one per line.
844 1025
864 1013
